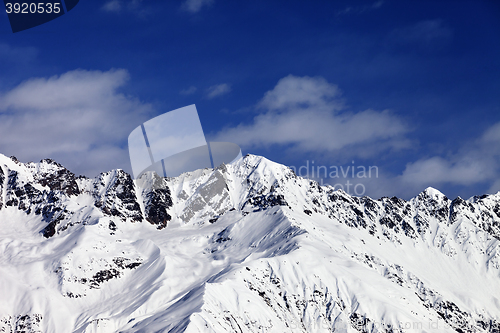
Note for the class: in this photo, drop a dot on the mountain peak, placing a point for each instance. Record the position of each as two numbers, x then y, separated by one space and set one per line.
432 192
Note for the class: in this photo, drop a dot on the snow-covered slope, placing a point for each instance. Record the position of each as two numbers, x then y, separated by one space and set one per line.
247 247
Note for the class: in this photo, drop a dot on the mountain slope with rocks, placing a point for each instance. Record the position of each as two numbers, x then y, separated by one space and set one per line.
245 247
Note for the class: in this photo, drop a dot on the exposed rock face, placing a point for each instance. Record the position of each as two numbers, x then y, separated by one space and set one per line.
2 180
247 247
57 177
48 189
115 195
157 202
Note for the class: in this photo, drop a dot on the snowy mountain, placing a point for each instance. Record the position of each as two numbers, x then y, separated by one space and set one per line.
247 247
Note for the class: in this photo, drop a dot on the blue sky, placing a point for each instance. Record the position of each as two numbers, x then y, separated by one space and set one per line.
411 87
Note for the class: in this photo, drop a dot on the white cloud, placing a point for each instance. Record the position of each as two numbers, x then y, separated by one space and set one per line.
194 6
189 91
305 112
495 187
218 90
292 92
475 163
78 118
491 135
475 168
438 170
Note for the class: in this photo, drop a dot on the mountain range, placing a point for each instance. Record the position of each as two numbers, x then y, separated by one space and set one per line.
245 247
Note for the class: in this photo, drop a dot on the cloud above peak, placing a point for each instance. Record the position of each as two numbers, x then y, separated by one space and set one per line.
293 92
474 163
78 118
308 114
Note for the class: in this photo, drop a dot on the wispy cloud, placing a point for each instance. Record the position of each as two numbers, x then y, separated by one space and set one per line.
189 91
133 6
360 9
17 54
112 6
424 33
306 113
194 6
78 118
218 90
